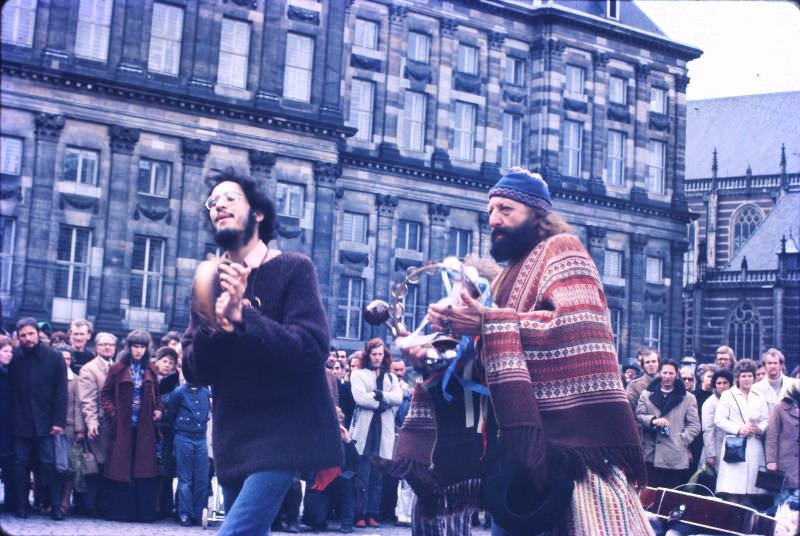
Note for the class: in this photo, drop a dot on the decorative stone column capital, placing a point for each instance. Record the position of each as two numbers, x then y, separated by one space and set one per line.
49 126
123 139
449 27
193 151
597 235
496 40
438 213
681 83
386 204
261 160
398 13
638 241
326 173
600 59
642 72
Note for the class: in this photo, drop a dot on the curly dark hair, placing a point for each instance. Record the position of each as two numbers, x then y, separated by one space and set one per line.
256 195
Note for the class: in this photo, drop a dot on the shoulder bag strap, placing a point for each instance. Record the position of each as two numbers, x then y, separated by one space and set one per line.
740 410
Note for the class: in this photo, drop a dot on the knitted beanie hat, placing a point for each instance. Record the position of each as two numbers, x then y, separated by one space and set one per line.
523 186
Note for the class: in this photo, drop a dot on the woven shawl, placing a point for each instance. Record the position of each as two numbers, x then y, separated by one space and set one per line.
552 369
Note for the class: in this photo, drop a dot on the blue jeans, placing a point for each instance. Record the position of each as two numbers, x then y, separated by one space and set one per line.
191 457
251 508
369 485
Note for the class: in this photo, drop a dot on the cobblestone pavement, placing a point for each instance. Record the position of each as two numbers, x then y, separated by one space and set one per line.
80 526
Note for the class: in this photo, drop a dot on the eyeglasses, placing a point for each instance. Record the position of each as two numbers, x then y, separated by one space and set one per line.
231 197
688 379
105 344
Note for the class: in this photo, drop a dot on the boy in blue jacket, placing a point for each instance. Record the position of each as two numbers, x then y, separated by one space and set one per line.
187 411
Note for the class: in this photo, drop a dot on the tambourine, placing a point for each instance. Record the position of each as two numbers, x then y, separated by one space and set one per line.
205 291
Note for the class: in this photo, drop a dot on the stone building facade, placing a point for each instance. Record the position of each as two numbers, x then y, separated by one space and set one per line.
378 127
743 268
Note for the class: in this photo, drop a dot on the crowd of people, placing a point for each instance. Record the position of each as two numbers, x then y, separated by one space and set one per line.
136 431
692 419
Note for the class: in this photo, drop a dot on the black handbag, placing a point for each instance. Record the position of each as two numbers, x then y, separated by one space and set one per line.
735 448
770 480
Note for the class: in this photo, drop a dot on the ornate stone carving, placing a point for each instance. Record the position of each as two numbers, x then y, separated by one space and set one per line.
642 72
600 59
483 220
438 213
614 290
576 105
515 96
681 83
418 72
123 139
289 227
193 152
386 204
657 121
550 48
496 40
153 208
261 160
654 296
449 27
401 264
467 82
638 241
440 159
354 257
618 112
597 235
326 173
49 126
398 13
80 202
363 62
303 15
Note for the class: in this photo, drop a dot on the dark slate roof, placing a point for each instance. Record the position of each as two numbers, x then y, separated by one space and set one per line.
762 248
745 130
629 13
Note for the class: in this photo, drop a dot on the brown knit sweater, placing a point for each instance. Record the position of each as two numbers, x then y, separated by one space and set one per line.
272 407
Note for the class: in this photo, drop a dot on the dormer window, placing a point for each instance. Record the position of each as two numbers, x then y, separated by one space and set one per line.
612 9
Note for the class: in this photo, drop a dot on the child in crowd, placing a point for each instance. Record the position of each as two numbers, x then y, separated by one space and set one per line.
165 367
188 412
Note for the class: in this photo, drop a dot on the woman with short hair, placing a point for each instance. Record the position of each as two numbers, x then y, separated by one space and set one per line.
743 412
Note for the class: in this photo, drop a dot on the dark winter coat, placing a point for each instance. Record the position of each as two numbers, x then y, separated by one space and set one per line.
6 415
39 385
116 399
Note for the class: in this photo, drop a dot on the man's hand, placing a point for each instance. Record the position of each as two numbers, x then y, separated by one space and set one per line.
344 433
711 460
661 422
92 430
233 280
78 437
458 320
157 415
772 466
56 430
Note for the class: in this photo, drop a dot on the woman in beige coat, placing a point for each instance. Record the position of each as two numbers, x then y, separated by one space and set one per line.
742 411
74 429
377 395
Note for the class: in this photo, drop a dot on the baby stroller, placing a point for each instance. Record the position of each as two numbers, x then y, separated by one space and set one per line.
215 511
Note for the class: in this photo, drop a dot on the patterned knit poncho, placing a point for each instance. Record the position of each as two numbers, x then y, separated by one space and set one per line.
552 372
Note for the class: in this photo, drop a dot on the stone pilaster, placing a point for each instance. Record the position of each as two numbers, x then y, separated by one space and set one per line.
597 245
637 286
494 135
269 87
39 279
133 40
551 53
675 317
325 177
192 214
386 205
599 107
484 235
114 283
57 31
261 164
331 106
641 142
438 232
206 51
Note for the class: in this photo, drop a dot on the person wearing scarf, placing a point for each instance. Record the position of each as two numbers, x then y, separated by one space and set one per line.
670 422
377 395
132 406
557 407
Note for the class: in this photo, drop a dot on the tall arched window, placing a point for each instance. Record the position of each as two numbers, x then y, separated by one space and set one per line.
744 223
744 331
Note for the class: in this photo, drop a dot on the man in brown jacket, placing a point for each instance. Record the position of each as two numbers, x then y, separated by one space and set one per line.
649 362
90 382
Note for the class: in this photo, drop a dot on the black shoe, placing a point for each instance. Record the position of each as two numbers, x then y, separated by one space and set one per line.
57 515
185 520
21 513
